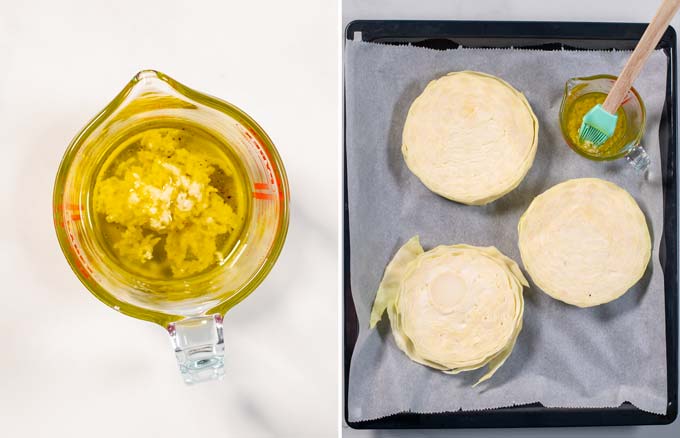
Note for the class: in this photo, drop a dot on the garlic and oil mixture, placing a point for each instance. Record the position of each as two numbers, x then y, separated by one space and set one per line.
169 203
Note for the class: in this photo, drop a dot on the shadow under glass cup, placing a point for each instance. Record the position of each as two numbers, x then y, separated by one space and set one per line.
627 143
191 308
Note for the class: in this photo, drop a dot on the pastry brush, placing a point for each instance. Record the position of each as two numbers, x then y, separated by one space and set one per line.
600 122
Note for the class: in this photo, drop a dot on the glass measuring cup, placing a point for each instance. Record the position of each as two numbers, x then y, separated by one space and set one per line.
194 321
632 110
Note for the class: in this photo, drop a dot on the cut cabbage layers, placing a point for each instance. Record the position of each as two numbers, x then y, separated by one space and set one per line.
470 137
454 308
584 241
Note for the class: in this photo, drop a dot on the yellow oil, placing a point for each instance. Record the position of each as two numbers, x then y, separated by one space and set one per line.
169 203
573 117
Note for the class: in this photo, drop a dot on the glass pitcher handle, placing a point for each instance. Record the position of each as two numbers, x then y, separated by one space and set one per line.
199 348
639 159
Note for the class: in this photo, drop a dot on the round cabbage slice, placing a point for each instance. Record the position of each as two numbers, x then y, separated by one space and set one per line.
454 308
470 137
584 241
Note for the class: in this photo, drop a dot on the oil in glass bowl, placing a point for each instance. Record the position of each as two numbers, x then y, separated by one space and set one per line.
169 203
574 113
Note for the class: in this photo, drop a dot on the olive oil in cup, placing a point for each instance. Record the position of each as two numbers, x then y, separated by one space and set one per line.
171 206
169 203
580 95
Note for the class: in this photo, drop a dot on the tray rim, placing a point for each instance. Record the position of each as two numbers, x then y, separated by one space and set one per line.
532 415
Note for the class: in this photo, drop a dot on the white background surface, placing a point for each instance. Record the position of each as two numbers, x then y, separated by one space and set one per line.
69 365
527 10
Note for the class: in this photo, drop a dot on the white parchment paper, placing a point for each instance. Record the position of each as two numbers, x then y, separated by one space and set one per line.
565 356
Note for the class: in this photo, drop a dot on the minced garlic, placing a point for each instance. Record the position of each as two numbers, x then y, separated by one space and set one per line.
163 197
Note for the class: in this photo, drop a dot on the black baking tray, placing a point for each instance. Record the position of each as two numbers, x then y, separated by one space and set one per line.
542 36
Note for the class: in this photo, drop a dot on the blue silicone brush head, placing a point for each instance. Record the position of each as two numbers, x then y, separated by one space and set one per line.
598 126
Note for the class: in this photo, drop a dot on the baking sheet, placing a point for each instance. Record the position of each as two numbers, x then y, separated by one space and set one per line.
565 356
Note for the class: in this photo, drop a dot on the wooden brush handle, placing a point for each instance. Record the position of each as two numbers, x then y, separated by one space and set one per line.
644 48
